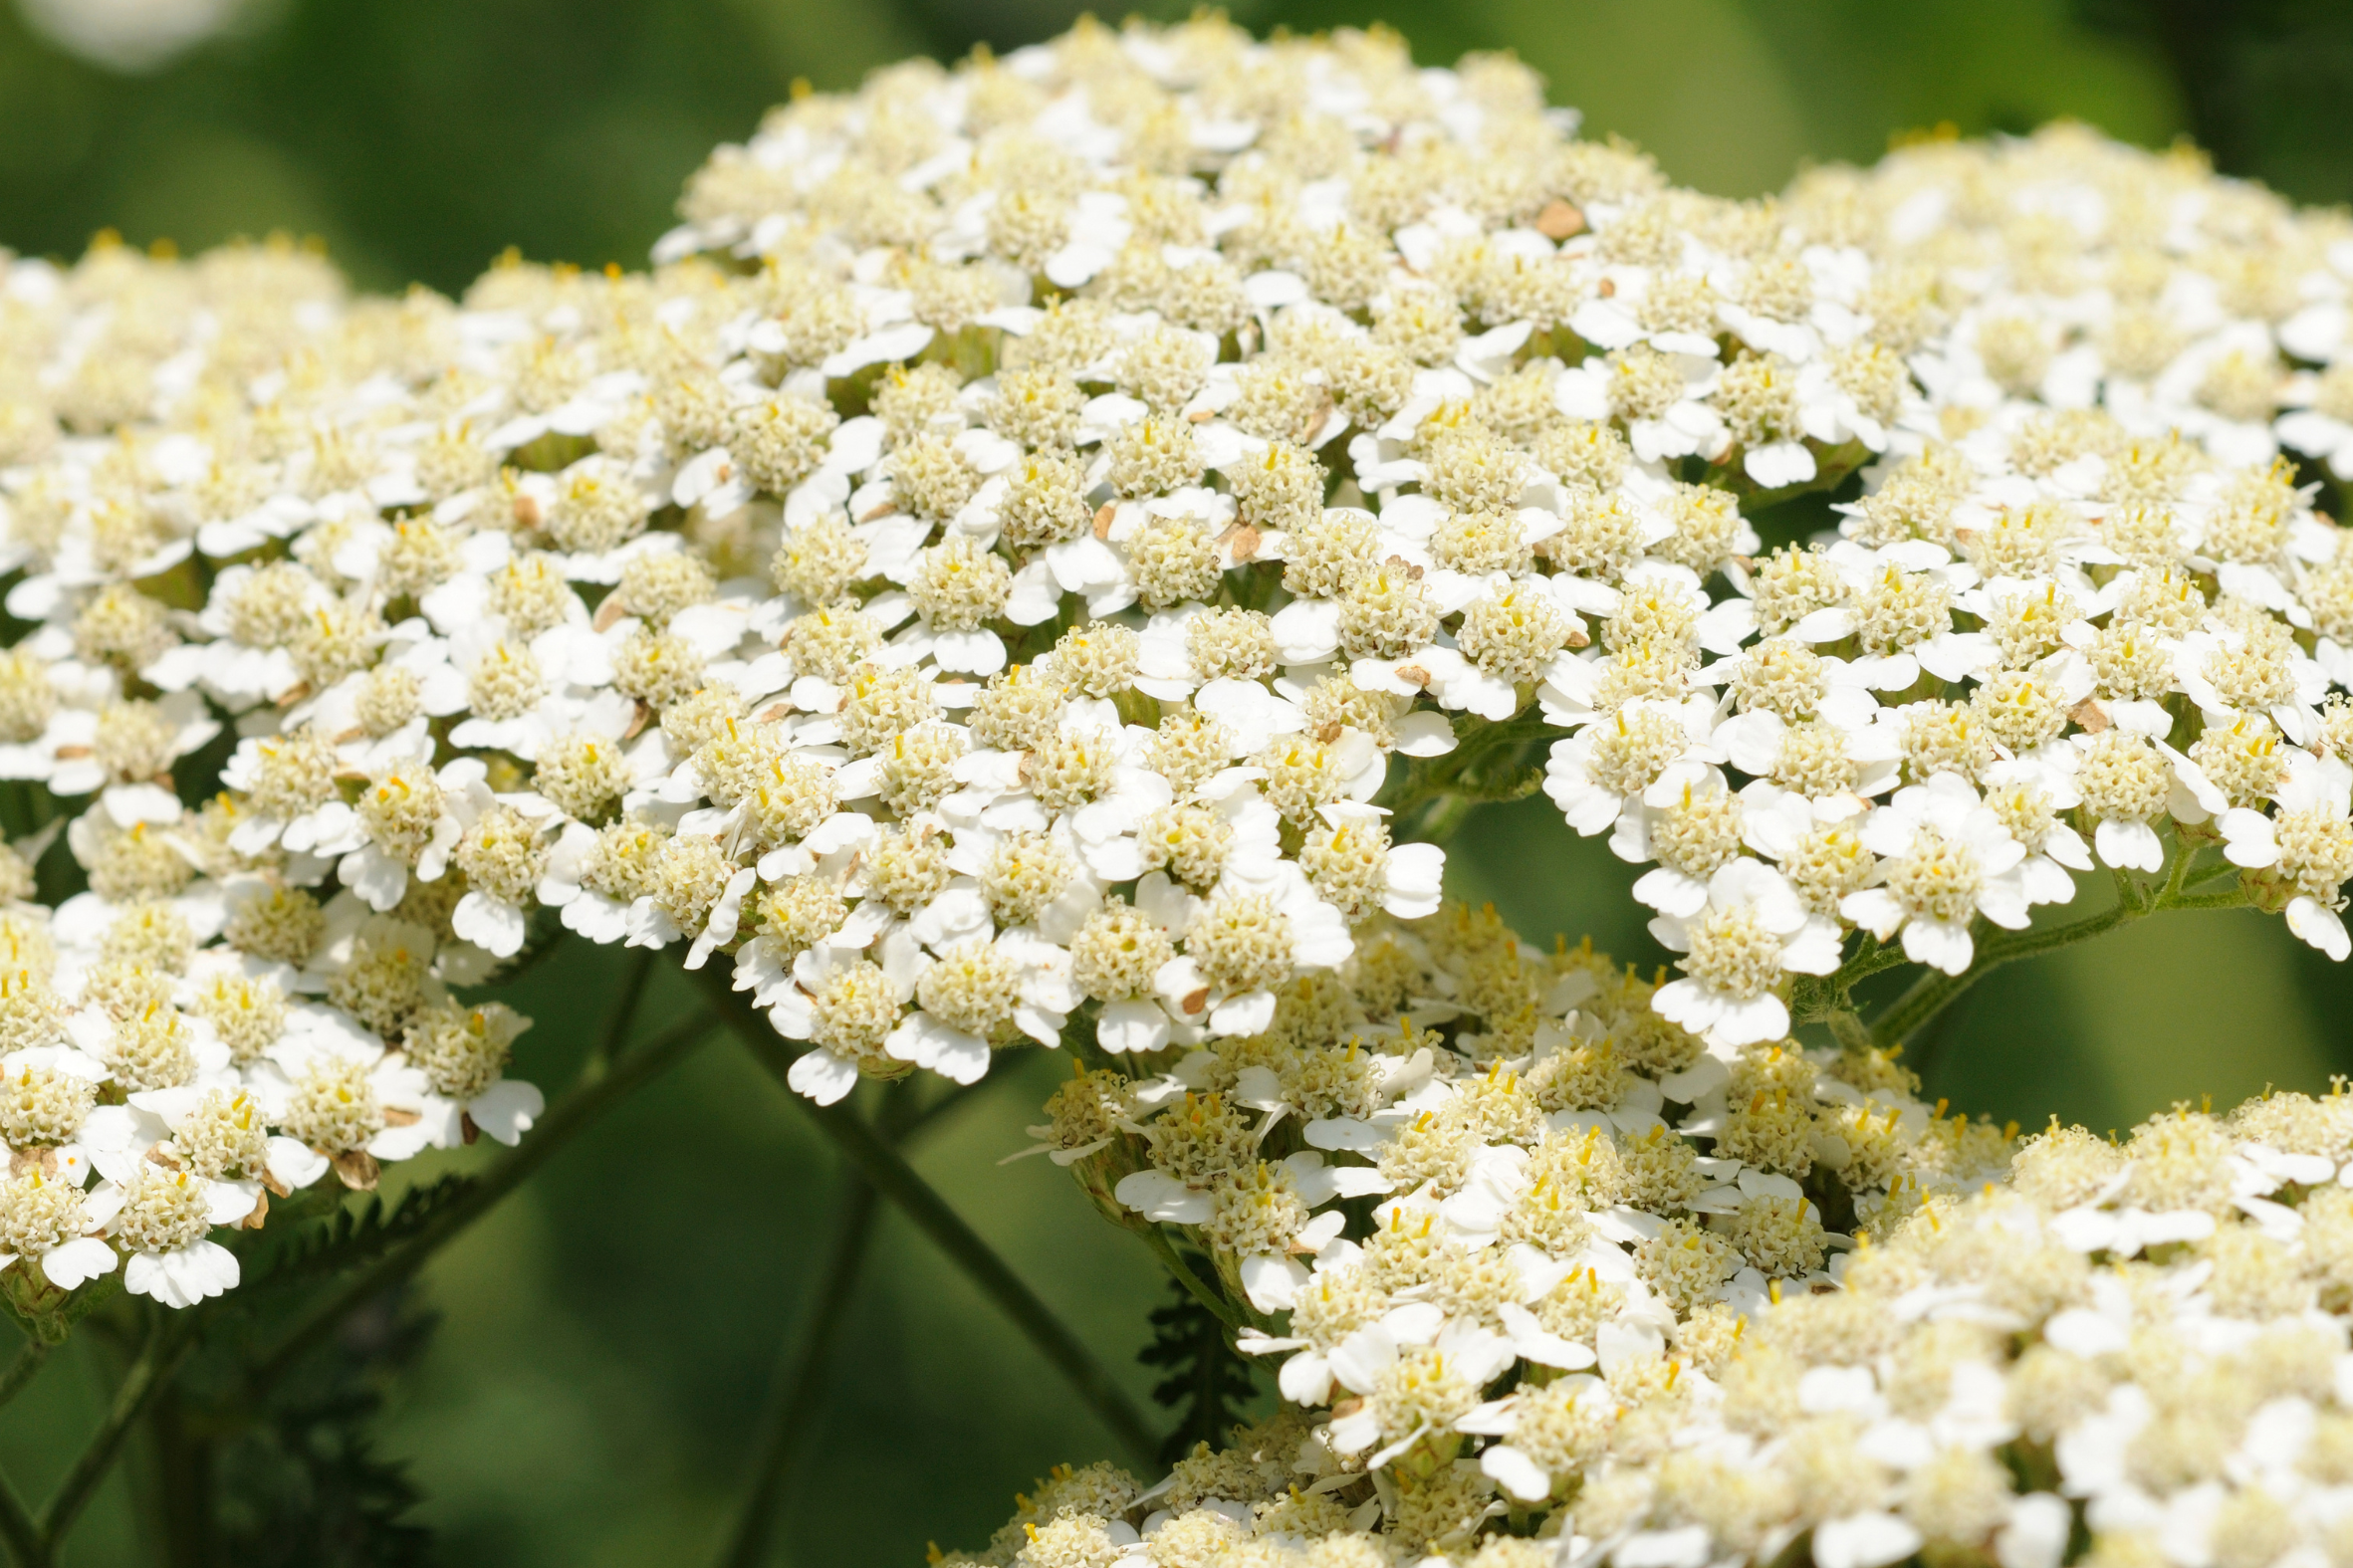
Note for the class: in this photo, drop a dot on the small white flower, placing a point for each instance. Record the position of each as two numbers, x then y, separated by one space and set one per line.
1752 930
1945 859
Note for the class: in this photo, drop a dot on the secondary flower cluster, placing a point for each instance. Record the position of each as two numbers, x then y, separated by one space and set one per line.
196 1029
1627 1299
2081 603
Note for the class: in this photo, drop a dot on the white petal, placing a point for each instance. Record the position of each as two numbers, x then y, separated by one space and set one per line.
1273 1281
295 1164
1515 1472
1131 1026
822 1076
1863 1540
1305 1379
507 1109
1158 1196
491 924
79 1260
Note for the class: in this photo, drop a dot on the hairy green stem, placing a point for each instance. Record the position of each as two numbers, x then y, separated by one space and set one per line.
1848 1029
1442 818
1930 995
1821 998
1437 794
891 1174
1934 992
576 1111
1196 1287
2211 874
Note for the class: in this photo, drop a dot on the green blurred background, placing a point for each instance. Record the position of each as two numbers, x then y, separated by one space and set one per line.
607 1338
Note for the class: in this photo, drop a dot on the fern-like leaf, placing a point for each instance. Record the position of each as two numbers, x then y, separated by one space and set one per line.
358 1236
1208 1382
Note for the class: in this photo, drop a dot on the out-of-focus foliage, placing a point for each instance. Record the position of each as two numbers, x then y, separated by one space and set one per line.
605 1347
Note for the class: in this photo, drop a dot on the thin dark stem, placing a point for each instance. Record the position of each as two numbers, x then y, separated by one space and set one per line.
21 1371
557 1128
799 1379
924 1116
785 1430
624 1009
181 1503
896 1179
26 1545
167 1344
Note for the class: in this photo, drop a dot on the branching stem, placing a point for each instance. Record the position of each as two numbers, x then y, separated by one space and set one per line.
1933 991
577 1110
1437 794
887 1170
21 1371
167 1344
1210 1297
799 1381
27 1548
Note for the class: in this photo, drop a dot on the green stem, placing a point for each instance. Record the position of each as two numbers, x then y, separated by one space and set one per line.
21 1371
2233 897
17 1530
1929 996
2210 874
1934 992
1444 819
786 1425
891 1174
26 1545
923 1116
1179 1270
2128 891
1437 794
1848 1030
2182 855
1820 999
625 1009
798 1380
167 1344
578 1109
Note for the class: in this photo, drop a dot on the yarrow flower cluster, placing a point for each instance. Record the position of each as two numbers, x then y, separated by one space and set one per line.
1037 561
1629 1297
1468 416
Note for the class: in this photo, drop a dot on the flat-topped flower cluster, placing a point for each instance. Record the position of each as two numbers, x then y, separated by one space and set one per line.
1497 401
1611 1294
1049 534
